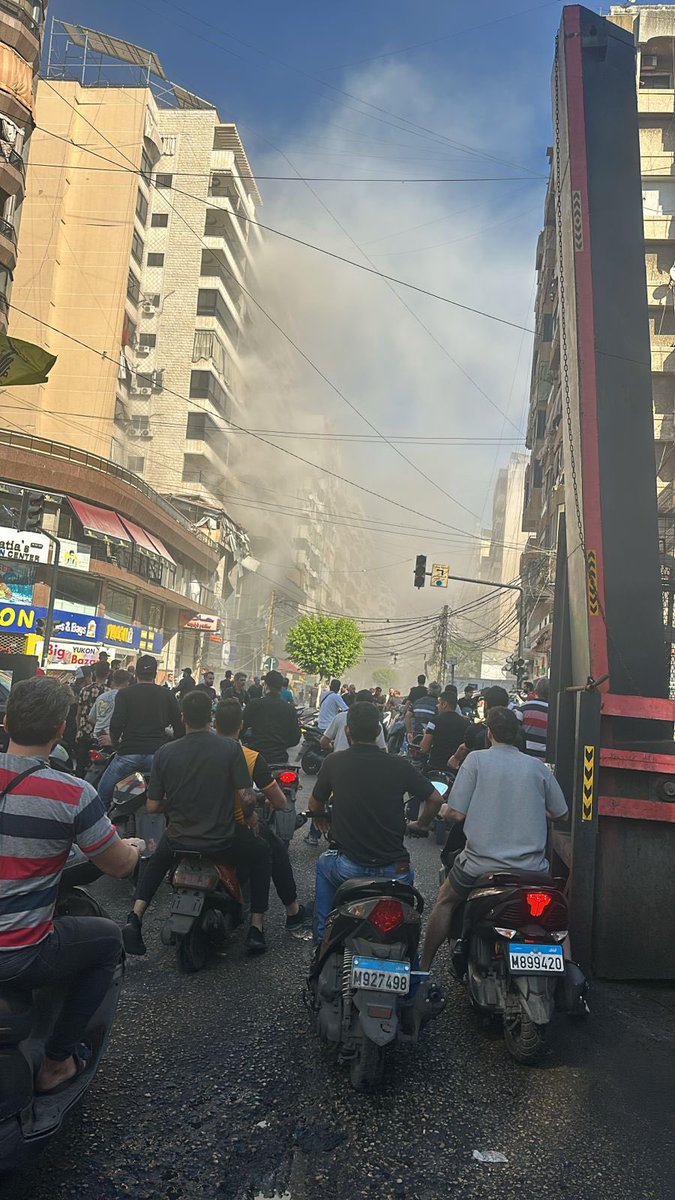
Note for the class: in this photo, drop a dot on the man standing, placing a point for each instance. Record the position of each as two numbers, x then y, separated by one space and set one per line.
186 683
444 733
100 714
138 725
86 698
270 725
286 693
467 703
44 813
331 705
197 781
416 692
206 685
421 711
237 690
504 799
335 738
534 717
368 824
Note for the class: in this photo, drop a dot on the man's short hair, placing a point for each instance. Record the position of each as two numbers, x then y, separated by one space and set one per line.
421 679
240 675
448 698
274 681
335 685
36 708
187 670
470 687
121 678
542 687
450 690
146 667
101 670
362 697
496 697
363 721
527 685
229 716
197 709
434 689
103 654
503 725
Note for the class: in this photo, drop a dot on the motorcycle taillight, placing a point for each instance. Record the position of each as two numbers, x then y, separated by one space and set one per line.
287 778
204 877
387 915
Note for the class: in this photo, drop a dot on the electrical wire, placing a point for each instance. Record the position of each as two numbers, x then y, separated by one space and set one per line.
313 178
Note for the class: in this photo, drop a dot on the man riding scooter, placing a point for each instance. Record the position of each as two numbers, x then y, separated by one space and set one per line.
197 781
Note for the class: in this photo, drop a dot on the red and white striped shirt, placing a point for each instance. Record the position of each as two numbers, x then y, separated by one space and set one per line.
534 715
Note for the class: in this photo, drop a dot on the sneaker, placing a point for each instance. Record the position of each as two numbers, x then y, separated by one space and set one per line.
132 935
313 837
302 917
255 941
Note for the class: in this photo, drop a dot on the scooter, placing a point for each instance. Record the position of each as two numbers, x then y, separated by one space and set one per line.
28 1120
311 754
128 814
284 822
99 758
363 990
206 907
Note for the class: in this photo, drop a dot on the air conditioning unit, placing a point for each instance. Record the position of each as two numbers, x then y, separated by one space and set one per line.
146 433
148 310
143 351
649 62
143 391
217 181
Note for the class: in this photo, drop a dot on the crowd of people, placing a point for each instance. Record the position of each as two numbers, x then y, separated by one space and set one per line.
187 740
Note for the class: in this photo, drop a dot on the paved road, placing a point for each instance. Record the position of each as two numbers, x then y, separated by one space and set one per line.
214 1089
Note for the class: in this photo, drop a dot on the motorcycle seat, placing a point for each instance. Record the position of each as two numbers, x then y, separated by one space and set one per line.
368 888
16 1015
514 878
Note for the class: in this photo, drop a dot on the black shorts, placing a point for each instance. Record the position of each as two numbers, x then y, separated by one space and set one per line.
462 882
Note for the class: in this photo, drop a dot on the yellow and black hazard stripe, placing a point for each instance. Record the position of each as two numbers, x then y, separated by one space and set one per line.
588 784
592 575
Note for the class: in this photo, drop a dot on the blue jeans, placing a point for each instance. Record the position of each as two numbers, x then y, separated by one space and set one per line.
118 768
332 869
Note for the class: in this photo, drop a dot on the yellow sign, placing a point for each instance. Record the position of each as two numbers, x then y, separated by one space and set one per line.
119 633
440 573
592 573
588 784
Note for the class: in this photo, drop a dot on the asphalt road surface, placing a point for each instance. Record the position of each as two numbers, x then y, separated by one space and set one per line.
214 1088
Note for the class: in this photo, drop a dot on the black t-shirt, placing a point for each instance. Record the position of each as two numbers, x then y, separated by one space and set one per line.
449 730
141 716
233 693
196 778
416 693
206 687
271 727
368 790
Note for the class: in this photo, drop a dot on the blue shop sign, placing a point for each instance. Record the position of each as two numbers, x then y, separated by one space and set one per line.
77 627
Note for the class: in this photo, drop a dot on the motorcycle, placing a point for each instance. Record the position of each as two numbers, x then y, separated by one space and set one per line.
506 947
99 758
28 1120
284 822
363 990
311 754
127 812
206 907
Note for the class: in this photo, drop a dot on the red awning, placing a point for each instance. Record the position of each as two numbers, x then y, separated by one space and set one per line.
161 548
140 537
99 522
289 668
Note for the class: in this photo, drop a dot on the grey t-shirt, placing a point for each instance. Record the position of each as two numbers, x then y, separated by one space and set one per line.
506 796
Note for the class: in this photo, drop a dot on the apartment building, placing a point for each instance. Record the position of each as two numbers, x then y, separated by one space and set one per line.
500 562
21 29
654 29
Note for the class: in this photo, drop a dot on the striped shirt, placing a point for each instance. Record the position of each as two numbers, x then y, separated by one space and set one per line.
534 716
39 822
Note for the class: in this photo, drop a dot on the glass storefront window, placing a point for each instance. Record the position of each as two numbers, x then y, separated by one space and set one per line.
118 604
77 593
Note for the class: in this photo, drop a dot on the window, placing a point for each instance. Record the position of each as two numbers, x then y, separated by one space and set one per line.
152 613
197 426
118 604
205 386
169 144
146 167
210 303
662 320
661 82
155 260
537 475
144 381
77 593
137 247
191 471
541 424
133 287
159 220
136 463
164 181
128 331
547 327
154 299
148 339
142 208
207 344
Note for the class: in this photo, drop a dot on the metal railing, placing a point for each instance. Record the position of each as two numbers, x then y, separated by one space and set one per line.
13 158
7 229
18 11
83 458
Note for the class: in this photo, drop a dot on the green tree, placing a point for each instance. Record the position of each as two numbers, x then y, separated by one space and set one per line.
325 646
385 677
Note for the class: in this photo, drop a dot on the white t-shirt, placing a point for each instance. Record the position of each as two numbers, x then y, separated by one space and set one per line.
331 705
337 732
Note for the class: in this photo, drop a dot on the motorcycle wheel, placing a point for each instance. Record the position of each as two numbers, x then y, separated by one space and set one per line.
525 1040
192 950
311 762
166 935
367 1068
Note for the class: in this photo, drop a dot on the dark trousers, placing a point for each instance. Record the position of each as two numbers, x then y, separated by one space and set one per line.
81 950
249 854
282 871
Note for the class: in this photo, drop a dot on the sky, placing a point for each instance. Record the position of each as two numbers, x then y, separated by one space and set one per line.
368 92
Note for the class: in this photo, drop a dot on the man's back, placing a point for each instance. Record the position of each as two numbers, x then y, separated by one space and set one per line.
368 790
423 711
331 705
273 726
337 732
141 717
534 713
449 730
39 821
196 778
506 796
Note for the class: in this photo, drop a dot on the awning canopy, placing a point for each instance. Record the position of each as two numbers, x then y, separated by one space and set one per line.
100 523
161 549
141 538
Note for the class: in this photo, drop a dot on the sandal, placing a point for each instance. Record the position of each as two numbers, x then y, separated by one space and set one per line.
80 1068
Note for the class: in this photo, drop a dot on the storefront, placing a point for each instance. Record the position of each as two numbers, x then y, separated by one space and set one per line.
76 639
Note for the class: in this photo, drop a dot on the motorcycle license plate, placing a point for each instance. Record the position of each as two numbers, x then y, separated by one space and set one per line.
527 959
379 975
186 906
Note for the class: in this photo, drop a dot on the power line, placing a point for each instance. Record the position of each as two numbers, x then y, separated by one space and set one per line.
315 178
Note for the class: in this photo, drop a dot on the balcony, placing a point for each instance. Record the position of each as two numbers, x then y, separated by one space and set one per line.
663 358
659 227
7 244
20 30
12 170
656 100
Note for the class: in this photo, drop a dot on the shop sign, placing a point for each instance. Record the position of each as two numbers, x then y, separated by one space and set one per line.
66 656
203 621
16 581
74 555
76 627
24 547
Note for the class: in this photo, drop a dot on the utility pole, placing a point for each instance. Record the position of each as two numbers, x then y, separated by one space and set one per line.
270 625
443 634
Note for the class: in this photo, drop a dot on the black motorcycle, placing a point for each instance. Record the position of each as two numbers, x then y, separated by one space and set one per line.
206 906
99 758
311 754
363 989
28 1120
284 822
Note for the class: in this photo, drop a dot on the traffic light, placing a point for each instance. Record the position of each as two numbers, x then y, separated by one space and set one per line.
40 626
32 511
420 570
